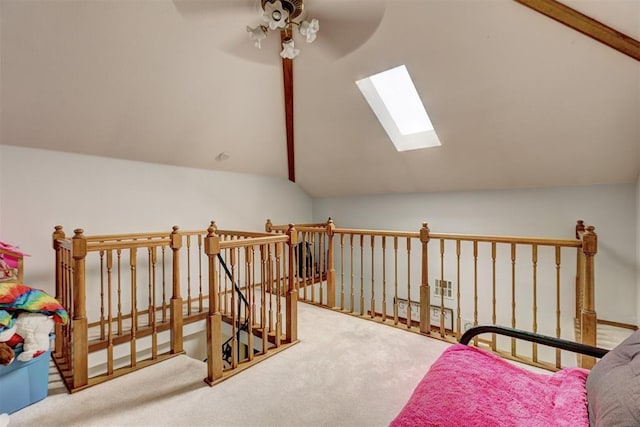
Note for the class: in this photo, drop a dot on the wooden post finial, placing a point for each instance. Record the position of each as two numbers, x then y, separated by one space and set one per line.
424 232
176 238
330 227
213 225
57 234
293 235
268 227
79 244
211 242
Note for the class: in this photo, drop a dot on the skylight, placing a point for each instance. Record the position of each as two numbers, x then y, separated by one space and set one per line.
397 105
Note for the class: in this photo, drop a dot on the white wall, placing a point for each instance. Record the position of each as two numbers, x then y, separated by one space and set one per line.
527 212
638 251
41 189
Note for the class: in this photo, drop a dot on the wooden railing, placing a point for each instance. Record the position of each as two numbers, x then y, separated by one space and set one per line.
129 297
440 284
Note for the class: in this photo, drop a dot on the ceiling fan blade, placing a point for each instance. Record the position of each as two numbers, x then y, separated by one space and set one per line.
345 25
241 47
203 9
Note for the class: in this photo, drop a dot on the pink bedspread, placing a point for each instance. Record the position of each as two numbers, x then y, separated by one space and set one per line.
467 386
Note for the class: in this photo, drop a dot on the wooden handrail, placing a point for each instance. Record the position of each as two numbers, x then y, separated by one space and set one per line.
509 239
224 244
363 232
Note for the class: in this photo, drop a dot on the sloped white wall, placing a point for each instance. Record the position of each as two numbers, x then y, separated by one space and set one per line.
528 212
41 189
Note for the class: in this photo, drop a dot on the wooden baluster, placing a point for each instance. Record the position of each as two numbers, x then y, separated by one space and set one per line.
119 269
475 286
321 269
234 314
175 316
459 282
189 300
200 294
134 306
362 275
384 278
425 289
408 282
225 292
493 293
270 285
588 315
303 252
442 325
164 287
248 259
373 285
263 297
534 262
395 283
352 300
152 304
513 296
102 319
558 313
313 267
80 324
214 319
109 314
69 290
150 272
341 271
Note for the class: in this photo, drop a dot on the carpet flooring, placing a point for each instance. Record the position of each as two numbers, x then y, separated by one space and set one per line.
344 371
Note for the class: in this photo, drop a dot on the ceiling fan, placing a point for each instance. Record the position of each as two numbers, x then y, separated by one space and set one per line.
346 25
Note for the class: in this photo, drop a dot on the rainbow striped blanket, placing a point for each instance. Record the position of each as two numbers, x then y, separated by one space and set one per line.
15 297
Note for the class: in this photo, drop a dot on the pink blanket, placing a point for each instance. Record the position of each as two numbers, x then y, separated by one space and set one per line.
467 386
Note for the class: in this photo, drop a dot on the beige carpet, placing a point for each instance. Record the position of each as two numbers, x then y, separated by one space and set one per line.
344 372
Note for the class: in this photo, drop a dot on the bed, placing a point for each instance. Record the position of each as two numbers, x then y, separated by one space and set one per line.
474 387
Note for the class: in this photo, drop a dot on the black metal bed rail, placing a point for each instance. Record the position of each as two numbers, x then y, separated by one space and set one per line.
562 344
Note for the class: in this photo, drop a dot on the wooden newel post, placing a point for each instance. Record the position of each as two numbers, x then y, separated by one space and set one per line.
214 319
175 312
292 293
79 321
425 290
268 227
58 234
588 314
331 271
579 269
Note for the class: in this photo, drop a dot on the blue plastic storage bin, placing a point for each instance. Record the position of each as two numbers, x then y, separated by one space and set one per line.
24 383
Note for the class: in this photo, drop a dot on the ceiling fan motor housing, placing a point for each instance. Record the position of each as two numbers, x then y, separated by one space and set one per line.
294 7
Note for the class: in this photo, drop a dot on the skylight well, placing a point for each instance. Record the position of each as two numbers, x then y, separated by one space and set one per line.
397 105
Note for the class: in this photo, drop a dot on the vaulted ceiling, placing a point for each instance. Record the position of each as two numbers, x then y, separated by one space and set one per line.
517 99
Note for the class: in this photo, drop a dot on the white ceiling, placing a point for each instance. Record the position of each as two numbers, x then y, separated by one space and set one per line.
517 99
